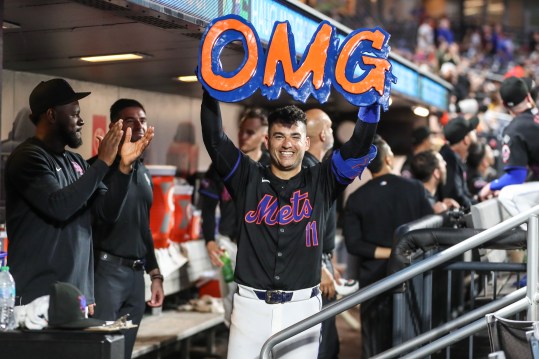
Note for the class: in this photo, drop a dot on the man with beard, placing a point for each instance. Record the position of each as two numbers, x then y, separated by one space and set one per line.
53 193
429 167
124 249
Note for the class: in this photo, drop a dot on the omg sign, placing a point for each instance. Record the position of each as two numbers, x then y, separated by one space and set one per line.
358 67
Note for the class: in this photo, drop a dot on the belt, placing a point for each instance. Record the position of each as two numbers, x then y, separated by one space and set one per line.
136 264
278 296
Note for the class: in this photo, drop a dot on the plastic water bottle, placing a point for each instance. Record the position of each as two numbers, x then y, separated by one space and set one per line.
7 300
228 272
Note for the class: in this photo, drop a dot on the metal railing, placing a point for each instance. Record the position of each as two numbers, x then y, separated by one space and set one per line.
531 302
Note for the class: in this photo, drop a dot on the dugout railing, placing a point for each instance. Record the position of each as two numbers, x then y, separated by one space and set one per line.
467 324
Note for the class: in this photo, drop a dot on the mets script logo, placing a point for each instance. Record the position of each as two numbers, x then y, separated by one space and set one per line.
268 210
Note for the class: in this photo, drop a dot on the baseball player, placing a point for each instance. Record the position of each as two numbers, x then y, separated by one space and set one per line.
283 208
520 150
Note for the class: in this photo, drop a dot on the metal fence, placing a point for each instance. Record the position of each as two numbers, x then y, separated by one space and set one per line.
530 303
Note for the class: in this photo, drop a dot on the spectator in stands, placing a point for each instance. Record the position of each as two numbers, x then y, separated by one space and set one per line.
459 134
520 150
479 167
425 39
124 249
371 216
421 141
253 128
444 33
430 168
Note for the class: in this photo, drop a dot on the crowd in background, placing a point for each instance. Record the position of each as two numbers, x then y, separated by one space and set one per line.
475 66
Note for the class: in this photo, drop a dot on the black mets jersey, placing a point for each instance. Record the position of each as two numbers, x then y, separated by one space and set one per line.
281 222
521 142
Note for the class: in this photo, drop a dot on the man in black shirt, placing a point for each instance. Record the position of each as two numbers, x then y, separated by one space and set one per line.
53 193
460 134
321 139
372 214
520 150
124 249
251 135
284 208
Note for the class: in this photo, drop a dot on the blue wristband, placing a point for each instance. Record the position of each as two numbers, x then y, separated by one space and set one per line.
346 170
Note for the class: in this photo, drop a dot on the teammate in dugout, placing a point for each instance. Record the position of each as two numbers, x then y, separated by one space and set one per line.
520 151
284 208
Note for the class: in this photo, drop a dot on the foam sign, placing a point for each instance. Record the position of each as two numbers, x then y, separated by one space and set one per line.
358 67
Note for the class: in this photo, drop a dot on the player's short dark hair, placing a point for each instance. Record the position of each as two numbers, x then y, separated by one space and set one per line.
377 163
476 153
255 112
423 165
119 105
288 115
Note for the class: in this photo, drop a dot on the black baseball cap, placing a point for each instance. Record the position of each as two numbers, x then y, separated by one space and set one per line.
456 129
67 306
55 92
419 134
513 91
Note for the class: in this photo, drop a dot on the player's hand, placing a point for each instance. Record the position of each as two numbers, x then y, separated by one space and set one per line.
327 284
158 294
370 114
108 145
130 151
485 192
214 252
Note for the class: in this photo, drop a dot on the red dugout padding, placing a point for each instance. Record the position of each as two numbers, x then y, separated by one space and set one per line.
162 211
183 213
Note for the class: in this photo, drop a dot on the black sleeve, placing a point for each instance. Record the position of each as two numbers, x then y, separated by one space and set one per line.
33 177
361 140
208 207
151 261
223 153
108 204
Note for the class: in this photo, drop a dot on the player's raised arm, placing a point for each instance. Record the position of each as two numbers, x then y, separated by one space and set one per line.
360 142
223 153
357 152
